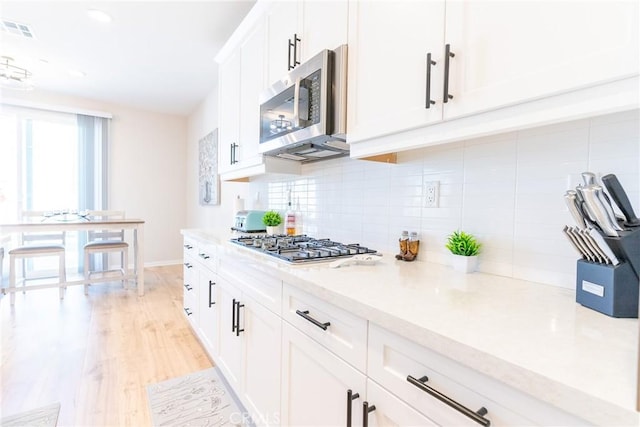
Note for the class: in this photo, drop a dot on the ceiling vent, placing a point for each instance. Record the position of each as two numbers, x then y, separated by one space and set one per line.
17 29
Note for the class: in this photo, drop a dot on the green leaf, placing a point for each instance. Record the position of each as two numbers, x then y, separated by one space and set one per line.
461 243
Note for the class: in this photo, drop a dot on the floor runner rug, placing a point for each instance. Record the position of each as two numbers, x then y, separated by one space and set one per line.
198 399
47 416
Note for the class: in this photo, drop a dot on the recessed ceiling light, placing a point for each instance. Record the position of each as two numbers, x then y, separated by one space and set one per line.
76 73
99 15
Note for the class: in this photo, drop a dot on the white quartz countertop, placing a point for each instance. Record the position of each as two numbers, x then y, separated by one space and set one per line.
530 336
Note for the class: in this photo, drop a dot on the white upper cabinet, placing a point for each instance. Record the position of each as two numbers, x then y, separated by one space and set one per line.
283 49
241 81
544 61
388 46
242 78
229 111
324 26
509 52
298 30
252 82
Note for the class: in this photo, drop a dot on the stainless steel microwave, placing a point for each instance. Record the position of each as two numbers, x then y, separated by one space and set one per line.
303 116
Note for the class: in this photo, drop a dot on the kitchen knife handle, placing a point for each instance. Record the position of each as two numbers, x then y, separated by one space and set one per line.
429 102
604 246
589 178
574 243
619 196
607 207
571 201
447 54
596 208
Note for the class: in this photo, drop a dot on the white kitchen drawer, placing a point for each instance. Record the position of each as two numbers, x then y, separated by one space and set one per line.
190 271
190 301
263 287
343 333
393 358
207 256
190 248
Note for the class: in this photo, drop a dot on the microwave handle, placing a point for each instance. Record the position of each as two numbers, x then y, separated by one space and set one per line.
296 104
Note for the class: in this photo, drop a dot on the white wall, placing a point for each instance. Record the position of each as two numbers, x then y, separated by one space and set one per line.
146 169
202 121
506 189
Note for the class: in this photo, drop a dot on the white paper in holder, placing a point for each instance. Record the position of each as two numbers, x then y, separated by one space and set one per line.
239 205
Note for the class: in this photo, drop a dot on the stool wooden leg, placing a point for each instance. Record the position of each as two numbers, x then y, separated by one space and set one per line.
62 275
12 279
86 271
125 266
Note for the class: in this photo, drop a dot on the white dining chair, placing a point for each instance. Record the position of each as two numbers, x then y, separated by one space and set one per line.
37 245
105 242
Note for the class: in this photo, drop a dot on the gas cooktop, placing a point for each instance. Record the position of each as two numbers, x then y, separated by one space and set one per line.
301 249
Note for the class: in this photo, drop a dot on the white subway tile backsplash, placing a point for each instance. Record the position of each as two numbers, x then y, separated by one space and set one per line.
506 189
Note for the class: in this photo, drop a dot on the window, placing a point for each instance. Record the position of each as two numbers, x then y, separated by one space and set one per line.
52 161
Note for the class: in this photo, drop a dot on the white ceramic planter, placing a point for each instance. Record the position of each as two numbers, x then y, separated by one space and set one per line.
465 264
271 230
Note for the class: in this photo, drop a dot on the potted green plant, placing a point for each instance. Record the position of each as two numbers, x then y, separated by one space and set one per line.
272 219
465 249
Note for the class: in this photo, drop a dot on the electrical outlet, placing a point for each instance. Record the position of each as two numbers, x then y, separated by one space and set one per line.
431 192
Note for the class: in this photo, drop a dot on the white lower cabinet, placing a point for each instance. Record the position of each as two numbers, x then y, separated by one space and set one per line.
190 290
261 368
338 330
249 351
294 359
315 383
427 380
230 342
208 308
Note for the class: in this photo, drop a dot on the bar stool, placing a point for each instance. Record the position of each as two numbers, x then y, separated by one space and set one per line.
106 242
22 252
34 245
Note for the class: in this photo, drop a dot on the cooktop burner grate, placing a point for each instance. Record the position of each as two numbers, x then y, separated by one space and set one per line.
301 248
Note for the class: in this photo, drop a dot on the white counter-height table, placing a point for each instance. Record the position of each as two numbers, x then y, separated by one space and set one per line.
136 226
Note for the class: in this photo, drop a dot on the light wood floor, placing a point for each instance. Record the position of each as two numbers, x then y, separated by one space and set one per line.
96 354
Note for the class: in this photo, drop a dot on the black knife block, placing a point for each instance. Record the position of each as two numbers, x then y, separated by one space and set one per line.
612 290
627 247
609 289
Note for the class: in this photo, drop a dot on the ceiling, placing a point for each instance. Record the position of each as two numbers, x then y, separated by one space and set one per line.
153 55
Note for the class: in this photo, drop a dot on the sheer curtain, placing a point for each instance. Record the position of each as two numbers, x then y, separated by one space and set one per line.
93 137
51 160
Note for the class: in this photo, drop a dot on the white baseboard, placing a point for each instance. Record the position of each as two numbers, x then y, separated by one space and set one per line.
162 263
